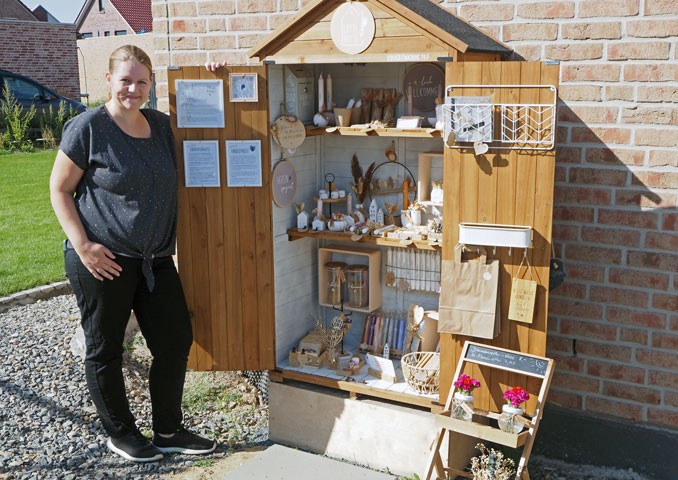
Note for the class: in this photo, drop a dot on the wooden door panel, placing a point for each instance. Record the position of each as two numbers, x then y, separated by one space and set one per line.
505 187
225 241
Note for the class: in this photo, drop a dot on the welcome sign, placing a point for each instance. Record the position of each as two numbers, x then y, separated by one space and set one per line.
426 82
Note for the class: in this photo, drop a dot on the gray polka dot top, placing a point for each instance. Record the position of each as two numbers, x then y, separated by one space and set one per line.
127 197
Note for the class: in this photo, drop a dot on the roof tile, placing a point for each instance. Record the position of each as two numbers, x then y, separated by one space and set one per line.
137 13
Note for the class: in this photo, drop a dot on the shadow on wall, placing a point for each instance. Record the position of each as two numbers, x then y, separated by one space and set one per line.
614 225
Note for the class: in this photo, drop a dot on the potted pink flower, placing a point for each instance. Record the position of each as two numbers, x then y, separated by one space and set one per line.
508 422
462 408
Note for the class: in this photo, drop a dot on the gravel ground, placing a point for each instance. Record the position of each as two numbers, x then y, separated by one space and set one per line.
48 426
49 429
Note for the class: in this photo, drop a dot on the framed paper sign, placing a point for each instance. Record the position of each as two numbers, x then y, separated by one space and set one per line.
200 103
201 163
243 87
243 163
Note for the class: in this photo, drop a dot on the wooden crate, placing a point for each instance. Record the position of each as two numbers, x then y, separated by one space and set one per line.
369 256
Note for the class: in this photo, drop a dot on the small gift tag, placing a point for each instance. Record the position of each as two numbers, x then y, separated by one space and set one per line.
523 296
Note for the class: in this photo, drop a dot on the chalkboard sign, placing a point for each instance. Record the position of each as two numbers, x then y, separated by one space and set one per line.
501 358
425 82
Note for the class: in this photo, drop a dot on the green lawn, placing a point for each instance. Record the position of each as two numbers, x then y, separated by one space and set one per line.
31 251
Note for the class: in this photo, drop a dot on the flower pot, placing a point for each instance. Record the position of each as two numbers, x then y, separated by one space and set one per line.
458 411
507 420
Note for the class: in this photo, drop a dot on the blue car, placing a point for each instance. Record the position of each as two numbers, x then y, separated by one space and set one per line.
29 92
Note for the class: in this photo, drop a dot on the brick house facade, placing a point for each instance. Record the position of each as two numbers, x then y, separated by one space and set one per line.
16 10
45 52
103 18
613 325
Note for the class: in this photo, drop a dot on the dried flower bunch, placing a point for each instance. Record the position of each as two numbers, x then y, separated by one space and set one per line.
466 384
515 396
491 465
362 183
331 336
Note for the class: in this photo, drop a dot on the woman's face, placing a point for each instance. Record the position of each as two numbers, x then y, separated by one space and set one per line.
130 84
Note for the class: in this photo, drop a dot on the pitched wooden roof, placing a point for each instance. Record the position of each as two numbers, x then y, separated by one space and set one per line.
416 30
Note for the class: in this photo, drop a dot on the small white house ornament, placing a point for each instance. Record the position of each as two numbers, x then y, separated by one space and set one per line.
302 220
318 224
380 216
373 210
352 27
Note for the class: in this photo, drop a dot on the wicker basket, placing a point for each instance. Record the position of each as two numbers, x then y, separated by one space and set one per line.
422 371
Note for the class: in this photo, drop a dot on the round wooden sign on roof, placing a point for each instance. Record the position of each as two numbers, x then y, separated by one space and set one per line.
288 132
284 183
352 27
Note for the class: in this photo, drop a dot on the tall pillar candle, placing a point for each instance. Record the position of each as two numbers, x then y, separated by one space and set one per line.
321 93
410 109
330 106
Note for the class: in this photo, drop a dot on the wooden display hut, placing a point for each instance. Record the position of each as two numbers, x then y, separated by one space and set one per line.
252 279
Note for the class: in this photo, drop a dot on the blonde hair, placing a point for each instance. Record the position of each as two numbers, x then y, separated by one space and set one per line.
129 52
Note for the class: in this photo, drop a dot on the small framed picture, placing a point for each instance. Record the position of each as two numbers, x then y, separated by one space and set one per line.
243 87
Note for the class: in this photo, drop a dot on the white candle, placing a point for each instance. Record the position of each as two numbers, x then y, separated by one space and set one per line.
320 207
409 100
349 204
321 93
329 93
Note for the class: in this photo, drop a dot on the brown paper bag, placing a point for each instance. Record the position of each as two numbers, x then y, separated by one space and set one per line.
469 296
523 296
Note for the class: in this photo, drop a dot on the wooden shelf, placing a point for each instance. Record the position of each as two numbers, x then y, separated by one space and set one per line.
329 200
378 132
294 234
483 432
391 191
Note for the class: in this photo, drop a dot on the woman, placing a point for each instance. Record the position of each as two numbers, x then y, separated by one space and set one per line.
114 190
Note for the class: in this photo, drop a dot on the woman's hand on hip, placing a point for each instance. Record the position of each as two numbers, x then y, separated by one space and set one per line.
98 260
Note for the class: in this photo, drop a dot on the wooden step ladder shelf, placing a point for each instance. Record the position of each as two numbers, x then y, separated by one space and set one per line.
481 431
473 353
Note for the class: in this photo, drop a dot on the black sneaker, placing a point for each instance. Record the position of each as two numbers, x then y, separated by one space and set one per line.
184 441
134 447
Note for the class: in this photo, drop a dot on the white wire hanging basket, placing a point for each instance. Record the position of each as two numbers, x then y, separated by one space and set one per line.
506 126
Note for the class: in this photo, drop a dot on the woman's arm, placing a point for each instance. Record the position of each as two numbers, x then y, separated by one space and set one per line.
62 183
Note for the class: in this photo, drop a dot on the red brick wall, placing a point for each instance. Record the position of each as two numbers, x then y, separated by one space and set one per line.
45 52
613 326
109 20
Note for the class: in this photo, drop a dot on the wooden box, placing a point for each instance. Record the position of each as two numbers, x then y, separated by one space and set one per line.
366 256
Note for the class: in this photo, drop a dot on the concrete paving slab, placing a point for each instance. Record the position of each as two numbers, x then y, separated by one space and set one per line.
283 463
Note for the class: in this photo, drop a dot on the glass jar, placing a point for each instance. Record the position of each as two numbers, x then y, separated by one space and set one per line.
335 278
462 400
356 277
507 420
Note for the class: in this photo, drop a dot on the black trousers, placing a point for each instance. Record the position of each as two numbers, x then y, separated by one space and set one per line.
105 308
